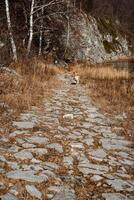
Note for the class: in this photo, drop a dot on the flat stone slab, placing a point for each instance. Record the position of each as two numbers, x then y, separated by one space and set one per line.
13 165
111 144
19 132
49 173
114 196
68 116
99 153
68 161
77 145
8 196
33 191
88 141
50 166
23 155
3 159
26 176
120 185
2 171
33 167
96 178
28 145
62 192
24 124
14 148
37 140
63 129
86 167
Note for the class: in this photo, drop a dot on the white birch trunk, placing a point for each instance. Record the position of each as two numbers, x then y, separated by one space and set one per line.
30 28
13 46
41 34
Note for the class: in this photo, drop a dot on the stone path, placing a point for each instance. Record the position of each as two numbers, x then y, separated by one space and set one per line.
65 150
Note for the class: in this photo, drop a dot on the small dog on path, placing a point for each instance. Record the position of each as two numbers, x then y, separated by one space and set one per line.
76 78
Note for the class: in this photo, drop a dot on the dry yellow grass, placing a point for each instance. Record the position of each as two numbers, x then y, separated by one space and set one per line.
34 83
100 72
112 90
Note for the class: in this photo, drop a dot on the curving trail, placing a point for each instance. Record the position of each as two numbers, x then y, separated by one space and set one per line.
52 155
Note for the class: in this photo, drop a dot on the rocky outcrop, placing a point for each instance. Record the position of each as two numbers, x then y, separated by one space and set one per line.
95 39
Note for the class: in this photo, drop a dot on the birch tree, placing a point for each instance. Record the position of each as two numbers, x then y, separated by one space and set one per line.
13 46
30 28
41 33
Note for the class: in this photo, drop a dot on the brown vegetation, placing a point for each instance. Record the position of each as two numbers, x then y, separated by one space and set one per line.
112 90
28 86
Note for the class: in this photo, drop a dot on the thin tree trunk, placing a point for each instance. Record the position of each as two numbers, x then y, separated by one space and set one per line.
30 29
13 46
41 33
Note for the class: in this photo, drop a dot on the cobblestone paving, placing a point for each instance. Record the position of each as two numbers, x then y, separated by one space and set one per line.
65 150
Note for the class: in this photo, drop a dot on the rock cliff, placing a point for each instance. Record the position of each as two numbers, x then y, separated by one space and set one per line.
95 39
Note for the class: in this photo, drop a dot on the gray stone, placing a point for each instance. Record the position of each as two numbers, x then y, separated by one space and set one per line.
35 161
85 132
13 165
3 159
8 196
68 161
37 140
99 153
14 148
76 132
50 166
122 154
28 116
63 129
3 139
49 173
23 155
65 192
27 145
68 116
2 44
18 132
96 178
54 189
34 167
26 176
120 185
114 196
20 141
33 191
88 168
123 175
77 145
110 144
87 125
24 124
2 171
127 162
56 146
